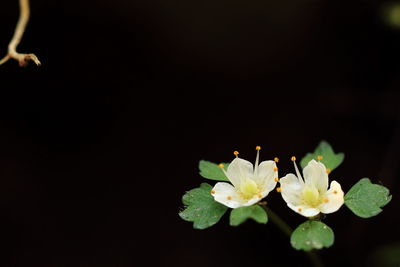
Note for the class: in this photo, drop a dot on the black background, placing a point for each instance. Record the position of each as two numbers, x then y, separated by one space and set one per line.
98 145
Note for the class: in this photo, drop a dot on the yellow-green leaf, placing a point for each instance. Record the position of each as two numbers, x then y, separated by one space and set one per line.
212 171
312 235
330 159
201 208
366 199
255 212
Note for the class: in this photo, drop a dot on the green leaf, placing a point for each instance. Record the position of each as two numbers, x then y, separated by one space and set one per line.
255 212
212 171
366 199
329 158
201 208
312 235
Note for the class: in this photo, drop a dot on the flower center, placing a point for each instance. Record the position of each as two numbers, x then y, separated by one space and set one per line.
248 189
311 196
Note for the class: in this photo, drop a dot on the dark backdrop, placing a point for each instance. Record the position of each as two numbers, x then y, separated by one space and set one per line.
99 143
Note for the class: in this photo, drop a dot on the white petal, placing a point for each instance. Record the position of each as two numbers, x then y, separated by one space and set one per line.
239 170
304 210
334 197
315 175
265 176
291 189
226 194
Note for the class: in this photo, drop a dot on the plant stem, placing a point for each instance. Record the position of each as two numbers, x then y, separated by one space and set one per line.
282 225
16 39
314 258
287 230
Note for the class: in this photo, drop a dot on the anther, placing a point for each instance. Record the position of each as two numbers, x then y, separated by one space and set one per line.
212 191
229 198
259 195
221 165
236 153
299 209
276 179
276 159
319 158
326 200
278 189
328 171
258 148
293 158
335 192
275 169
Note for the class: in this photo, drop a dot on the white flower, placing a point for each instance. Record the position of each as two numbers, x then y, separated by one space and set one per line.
249 185
311 196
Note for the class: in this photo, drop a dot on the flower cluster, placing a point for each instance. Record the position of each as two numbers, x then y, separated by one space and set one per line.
242 186
307 196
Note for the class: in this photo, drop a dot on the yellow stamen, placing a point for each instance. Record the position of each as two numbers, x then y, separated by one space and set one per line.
221 165
258 148
212 191
320 157
276 159
311 196
248 189
299 209
236 153
335 192
259 195
229 198
278 189
293 158
276 179
328 171
275 169
326 200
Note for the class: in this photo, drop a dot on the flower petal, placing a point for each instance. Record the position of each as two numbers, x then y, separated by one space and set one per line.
226 194
315 175
239 170
306 211
334 198
291 189
265 176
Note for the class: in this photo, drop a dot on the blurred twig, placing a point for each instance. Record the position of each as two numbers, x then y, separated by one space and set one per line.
22 59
